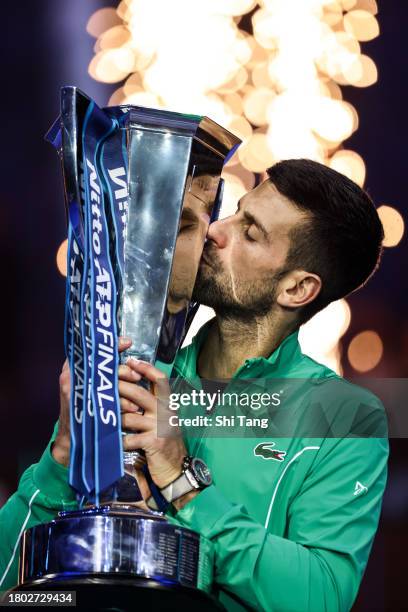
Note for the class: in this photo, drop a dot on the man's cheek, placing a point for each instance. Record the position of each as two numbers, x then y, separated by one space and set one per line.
240 266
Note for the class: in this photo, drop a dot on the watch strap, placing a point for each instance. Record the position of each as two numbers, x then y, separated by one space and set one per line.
179 487
185 483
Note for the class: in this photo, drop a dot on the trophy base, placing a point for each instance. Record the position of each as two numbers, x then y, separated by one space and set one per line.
113 594
116 548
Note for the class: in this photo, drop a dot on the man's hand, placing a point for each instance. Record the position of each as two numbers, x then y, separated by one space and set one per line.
139 407
61 447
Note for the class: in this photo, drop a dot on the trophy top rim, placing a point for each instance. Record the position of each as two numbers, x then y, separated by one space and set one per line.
200 127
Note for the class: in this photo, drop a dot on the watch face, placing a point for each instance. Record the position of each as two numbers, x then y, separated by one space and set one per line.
201 472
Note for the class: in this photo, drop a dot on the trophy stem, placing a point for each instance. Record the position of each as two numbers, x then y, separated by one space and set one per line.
135 459
133 488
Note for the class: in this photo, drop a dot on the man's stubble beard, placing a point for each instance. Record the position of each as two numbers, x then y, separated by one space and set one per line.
239 300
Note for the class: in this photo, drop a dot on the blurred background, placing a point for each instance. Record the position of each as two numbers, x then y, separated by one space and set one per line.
314 78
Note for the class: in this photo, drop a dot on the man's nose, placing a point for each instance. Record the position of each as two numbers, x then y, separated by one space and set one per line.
218 232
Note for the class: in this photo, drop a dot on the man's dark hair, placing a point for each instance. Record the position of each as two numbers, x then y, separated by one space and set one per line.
341 237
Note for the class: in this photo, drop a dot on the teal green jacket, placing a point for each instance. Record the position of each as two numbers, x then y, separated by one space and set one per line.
289 534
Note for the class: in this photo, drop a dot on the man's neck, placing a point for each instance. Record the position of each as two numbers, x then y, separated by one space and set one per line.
231 341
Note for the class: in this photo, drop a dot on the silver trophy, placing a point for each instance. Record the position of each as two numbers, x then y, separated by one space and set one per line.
118 550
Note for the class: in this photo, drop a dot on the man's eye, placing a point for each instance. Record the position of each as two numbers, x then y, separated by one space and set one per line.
187 226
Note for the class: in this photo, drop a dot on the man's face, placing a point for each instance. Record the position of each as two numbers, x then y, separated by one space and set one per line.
245 252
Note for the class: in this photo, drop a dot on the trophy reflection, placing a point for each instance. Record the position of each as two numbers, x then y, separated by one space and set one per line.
194 222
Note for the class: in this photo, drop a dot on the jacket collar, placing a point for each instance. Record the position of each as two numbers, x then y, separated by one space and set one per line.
288 352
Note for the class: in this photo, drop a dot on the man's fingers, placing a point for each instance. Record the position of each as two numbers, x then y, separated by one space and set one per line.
128 406
137 395
65 380
128 375
135 441
160 381
124 343
138 423
146 369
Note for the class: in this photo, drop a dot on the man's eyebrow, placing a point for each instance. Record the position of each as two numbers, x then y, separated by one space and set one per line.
187 214
257 223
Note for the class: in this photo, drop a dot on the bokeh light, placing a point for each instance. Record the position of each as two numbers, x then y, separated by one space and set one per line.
285 77
279 89
61 258
328 325
365 351
102 20
367 5
362 72
114 37
112 65
350 164
393 225
234 189
256 103
362 25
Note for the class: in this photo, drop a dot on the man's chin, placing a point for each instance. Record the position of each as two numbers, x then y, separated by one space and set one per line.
211 291
204 292
202 297
213 299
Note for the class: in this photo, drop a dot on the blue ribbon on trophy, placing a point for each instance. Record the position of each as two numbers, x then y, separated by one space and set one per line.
102 417
95 267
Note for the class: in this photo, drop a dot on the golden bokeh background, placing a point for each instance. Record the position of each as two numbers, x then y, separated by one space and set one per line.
272 72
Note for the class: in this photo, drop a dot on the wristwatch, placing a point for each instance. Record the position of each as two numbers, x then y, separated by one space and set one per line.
195 476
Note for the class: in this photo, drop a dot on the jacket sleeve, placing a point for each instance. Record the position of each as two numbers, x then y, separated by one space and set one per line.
330 529
42 492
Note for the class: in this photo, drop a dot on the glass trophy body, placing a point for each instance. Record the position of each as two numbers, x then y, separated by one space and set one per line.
169 194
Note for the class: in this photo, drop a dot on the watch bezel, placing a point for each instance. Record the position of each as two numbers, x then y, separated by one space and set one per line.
197 475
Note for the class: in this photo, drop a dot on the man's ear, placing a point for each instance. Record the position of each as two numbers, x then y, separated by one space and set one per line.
298 288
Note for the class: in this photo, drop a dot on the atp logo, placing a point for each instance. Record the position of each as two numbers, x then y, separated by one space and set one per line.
265 450
359 488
